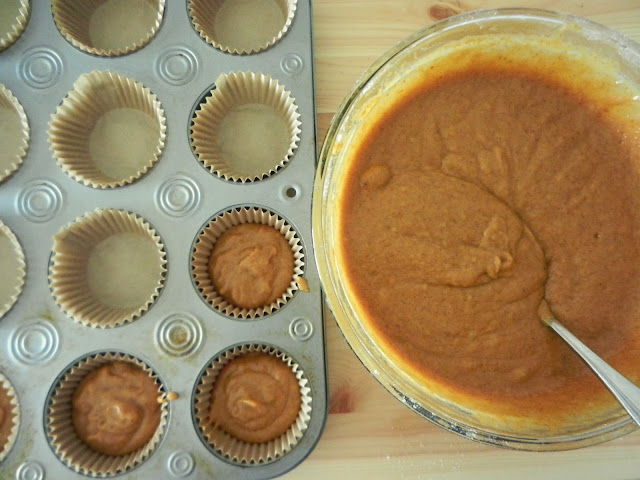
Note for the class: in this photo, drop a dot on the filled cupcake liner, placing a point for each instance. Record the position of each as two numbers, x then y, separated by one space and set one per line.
95 95
72 248
13 281
203 248
59 425
16 146
231 92
21 18
15 417
203 15
231 448
73 19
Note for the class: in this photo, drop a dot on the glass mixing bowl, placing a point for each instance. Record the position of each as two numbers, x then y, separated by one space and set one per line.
617 57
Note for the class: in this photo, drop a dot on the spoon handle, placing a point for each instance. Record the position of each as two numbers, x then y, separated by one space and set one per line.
627 393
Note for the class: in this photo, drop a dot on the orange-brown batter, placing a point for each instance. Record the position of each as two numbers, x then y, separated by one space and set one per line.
6 417
251 265
476 196
255 398
115 408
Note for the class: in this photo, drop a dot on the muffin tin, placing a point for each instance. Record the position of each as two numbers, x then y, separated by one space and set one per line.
68 183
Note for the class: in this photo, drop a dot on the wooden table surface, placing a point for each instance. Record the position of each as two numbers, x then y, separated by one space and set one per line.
369 434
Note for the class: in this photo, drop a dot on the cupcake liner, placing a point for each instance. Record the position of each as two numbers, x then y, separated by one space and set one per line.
14 136
14 414
13 20
61 434
107 268
13 268
109 130
108 28
242 27
233 449
247 129
203 248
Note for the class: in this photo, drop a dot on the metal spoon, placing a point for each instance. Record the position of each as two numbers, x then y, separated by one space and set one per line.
627 393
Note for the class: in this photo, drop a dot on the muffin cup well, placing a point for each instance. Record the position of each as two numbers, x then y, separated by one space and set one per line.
109 130
13 268
242 27
14 136
205 243
59 425
231 448
247 129
107 268
108 28
13 19
6 386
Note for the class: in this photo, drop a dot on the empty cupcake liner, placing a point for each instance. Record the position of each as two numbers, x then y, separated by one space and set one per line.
14 16
14 136
11 417
203 248
109 130
247 129
13 268
107 268
244 26
231 448
59 425
108 28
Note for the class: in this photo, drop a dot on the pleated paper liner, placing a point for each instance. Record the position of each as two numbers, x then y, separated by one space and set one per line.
61 434
242 26
9 417
205 242
12 267
107 268
236 450
108 28
247 128
14 134
109 130
14 15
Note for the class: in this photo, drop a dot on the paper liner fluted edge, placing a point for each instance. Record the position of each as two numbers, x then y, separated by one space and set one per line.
233 90
21 271
7 97
68 285
205 242
15 417
59 426
64 12
229 447
17 27
201 10
72 122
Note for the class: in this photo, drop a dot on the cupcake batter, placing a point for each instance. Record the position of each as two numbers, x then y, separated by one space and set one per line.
116 409
478 195
251 265
255 398
6 417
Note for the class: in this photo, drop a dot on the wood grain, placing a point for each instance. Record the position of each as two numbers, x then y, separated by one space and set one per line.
369 434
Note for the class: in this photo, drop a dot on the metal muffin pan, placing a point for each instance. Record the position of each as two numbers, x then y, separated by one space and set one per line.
180 333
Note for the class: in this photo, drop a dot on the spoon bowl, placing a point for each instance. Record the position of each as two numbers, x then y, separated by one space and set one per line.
625 391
